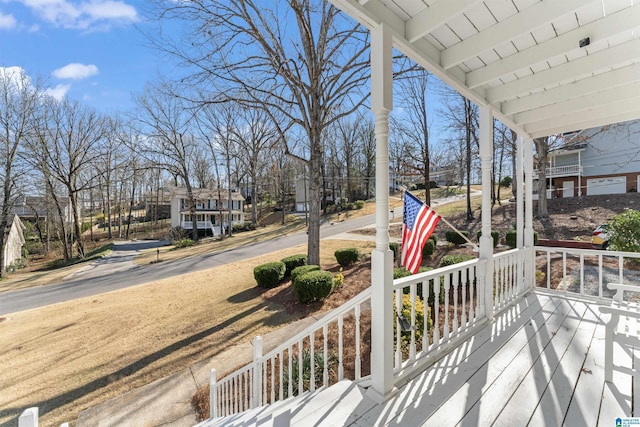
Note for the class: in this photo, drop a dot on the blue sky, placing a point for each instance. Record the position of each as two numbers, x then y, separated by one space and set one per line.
88 50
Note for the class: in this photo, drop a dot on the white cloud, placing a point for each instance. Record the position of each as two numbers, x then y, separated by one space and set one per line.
16 75
58 92
75 71
83 15
7 22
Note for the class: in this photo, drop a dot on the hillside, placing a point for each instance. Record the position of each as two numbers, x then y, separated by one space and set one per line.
569 219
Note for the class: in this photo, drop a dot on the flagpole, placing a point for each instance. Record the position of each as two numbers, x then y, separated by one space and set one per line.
448 223
458 231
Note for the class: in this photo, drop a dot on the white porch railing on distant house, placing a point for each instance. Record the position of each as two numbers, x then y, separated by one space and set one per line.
585 271
558 171
455 307
188 225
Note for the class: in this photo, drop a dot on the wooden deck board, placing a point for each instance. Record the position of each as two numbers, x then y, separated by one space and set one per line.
543 366
510 397
590 383
538 363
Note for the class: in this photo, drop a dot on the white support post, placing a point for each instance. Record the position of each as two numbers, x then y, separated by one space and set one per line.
256 393
486 241
213 396
382 319
520 190
528 213
29 418
579 176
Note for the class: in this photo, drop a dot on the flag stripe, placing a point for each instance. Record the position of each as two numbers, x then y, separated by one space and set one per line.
419 222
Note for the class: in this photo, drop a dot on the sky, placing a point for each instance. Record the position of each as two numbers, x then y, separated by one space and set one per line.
92 51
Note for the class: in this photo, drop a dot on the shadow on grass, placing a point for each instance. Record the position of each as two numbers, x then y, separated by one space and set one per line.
246 295
66 397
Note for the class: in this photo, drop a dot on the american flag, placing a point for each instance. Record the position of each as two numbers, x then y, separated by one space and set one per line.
418 222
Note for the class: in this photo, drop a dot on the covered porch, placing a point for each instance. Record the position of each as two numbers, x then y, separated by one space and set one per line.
506 339
539 361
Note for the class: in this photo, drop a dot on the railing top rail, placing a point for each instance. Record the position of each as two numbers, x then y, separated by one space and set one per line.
604 253
428 275
507 253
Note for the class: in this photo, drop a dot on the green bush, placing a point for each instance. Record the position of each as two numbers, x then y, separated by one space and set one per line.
510 238
434 238
395 248
455 238
359 204
624 231
347 256
184 243
400 272
313 286
454 259
506 181
428 249
270 274
292 262
494 234
303 269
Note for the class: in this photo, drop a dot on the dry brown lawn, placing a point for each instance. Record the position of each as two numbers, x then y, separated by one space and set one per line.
70 356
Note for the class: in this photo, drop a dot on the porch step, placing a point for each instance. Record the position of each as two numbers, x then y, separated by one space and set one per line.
337 405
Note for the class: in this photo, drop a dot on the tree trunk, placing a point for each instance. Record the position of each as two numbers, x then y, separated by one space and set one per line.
542 152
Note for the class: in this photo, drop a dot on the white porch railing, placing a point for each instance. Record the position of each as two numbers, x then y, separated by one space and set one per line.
585 271
558 171
430 319
288 371
188 225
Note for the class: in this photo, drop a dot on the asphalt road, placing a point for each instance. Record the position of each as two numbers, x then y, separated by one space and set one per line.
118 271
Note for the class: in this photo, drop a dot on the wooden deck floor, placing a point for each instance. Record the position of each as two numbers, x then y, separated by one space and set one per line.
540 363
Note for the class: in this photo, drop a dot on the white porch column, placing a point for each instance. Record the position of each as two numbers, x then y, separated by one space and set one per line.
520 190
528 179
381 258
579 176
486 241
530 272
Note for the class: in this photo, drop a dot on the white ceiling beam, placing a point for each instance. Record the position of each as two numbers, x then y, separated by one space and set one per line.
435 16
572 119
616 23
521 23
625 52
370 14
588 124
611 96
619 77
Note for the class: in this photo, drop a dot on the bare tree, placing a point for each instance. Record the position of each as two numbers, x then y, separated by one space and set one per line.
65 149
256 136
313 72
461 116
413 125
171 146
18 103
218 126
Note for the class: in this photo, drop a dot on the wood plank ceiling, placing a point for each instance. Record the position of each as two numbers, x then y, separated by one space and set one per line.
545 67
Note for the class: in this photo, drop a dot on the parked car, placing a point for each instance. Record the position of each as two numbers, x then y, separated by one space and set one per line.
600 238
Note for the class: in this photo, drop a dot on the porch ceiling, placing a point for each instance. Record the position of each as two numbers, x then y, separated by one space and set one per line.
523 57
